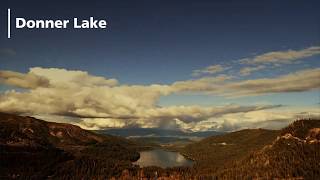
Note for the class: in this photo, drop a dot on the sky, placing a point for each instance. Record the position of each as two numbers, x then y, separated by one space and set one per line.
190 65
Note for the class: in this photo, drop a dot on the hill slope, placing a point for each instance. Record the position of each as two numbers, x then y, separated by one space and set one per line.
294 154
34 149
290 153
59 150
213 152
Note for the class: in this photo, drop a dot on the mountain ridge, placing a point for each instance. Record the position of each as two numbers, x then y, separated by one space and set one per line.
294 154
59 150
62 151
155 132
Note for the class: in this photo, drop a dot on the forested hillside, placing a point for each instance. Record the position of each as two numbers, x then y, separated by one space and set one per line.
36 149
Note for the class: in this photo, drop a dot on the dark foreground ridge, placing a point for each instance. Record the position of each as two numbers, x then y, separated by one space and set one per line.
36 149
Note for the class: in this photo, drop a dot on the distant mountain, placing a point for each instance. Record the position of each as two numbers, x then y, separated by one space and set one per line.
156 132
36 149
156 142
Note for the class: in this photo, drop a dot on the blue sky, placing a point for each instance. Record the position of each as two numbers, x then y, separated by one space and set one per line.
159 41
162 42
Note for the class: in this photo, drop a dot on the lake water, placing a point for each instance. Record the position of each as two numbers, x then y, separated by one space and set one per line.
162 158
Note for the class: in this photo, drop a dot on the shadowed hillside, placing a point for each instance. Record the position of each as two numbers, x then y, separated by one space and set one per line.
294 154
36 149
291 153
213 152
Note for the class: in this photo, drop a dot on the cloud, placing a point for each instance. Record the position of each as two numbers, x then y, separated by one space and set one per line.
167 117
224 85
248 70
282 57
189 114
208 70
101 123
99 103
62 76
266 119
304 80
201 84
95 102
21 80
259 62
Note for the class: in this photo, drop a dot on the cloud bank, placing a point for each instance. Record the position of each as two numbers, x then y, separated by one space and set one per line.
304 80
21 80
101 102
95 102
283 57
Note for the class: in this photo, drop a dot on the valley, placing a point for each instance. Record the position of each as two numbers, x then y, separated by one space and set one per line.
36 149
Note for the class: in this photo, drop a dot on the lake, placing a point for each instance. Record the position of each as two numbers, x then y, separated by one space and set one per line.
162 158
